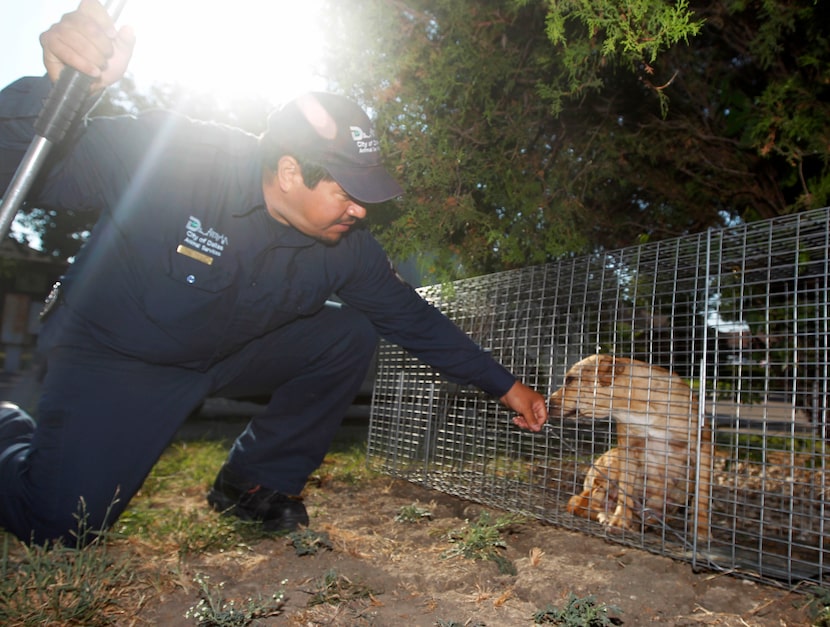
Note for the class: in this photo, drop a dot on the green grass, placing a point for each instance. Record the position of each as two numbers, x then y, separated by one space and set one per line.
184 465
170 507
345 463
168 518
53 584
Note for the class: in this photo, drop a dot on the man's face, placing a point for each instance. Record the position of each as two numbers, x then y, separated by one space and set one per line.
325 213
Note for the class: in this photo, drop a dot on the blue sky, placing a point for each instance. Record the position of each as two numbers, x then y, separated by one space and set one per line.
21 22
204 45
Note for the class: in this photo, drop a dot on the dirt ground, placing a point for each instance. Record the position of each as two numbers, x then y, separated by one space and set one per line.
392 573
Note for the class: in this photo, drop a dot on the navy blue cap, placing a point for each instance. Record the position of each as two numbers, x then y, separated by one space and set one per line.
336 133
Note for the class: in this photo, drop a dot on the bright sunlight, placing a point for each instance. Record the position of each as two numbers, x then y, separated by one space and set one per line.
231 51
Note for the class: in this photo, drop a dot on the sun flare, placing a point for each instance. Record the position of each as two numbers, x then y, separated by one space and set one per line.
248 49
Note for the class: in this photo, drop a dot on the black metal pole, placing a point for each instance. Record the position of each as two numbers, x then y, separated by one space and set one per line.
59 112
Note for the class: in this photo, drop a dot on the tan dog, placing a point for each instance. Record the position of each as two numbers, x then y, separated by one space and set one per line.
652 469
607 480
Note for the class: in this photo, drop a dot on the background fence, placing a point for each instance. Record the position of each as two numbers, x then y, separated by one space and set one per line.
740 314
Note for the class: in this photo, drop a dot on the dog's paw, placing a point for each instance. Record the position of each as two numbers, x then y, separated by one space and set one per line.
618 523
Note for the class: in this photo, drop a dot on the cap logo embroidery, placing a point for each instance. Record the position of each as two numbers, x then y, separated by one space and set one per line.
364 141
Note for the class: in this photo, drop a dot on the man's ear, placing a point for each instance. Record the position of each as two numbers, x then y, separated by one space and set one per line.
289 173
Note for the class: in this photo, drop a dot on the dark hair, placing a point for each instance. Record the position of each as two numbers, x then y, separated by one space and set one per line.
272 151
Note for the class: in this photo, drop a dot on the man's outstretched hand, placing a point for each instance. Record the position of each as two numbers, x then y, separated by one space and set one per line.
531 407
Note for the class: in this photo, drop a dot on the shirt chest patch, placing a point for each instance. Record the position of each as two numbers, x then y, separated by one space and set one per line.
204 244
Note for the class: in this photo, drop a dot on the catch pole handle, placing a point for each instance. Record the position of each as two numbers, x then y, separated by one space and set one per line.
68 94
59 111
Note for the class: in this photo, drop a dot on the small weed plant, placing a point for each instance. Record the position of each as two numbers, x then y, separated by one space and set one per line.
578 612
413 514
334 589
213 610
309 542
482 540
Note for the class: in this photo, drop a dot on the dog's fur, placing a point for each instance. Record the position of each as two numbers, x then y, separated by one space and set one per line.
607 480
652 470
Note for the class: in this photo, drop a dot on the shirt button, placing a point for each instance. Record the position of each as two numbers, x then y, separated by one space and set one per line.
190 279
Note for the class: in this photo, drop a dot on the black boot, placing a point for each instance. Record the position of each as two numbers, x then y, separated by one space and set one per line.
232 494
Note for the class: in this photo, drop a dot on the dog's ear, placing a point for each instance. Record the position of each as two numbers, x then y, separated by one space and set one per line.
608 367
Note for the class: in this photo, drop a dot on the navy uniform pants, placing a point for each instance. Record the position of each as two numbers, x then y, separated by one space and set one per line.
104 419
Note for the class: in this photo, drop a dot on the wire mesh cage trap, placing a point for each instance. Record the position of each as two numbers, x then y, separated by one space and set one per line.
689 394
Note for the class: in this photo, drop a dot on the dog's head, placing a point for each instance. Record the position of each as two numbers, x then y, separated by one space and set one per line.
600 384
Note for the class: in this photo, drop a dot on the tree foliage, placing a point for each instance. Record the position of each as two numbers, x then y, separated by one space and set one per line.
524 130
527 129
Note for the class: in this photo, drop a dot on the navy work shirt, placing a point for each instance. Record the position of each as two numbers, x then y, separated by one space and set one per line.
185 264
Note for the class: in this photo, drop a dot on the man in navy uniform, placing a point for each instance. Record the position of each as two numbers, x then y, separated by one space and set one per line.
207 273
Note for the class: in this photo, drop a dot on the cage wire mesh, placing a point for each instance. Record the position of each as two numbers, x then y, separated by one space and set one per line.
732 478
